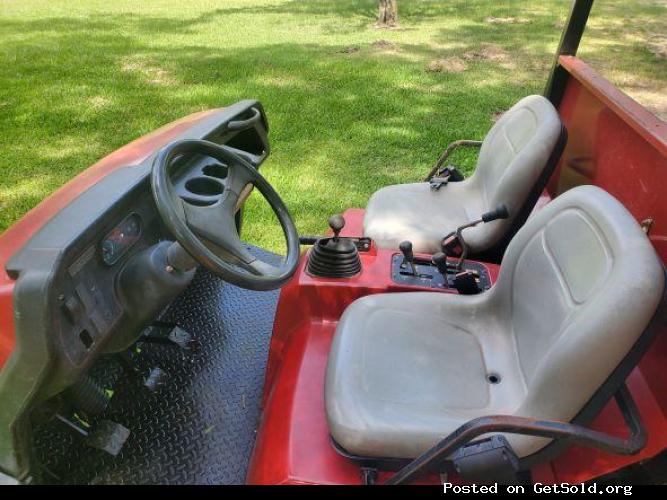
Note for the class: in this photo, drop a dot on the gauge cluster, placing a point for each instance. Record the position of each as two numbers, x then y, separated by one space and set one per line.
121 239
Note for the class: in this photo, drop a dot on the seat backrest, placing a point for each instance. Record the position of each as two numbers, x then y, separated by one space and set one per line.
578 285
513 157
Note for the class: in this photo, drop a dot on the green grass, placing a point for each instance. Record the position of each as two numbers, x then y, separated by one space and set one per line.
79 79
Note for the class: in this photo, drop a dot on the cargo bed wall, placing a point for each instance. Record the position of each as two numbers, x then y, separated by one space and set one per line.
618 145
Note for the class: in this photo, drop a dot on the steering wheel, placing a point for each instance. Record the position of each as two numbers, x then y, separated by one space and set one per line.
208 233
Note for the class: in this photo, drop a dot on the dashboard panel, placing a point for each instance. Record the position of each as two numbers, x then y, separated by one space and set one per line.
91 304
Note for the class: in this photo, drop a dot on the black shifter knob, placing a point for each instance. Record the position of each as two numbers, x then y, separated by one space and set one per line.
408 257
406 249
336 223
500 212
440 261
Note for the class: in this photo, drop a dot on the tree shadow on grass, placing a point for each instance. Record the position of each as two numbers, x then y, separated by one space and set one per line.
342 125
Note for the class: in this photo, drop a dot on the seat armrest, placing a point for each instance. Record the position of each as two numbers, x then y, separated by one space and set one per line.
572 433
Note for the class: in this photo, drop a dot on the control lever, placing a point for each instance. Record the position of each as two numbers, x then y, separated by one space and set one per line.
439 260
336 223
408 257
500 212
465 283
336 256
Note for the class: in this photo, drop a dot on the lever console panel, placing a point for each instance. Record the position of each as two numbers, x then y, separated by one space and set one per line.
429 276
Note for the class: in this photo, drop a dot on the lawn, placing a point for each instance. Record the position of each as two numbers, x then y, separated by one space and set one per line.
351 107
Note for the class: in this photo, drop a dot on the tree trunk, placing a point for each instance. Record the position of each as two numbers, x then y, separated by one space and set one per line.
388 13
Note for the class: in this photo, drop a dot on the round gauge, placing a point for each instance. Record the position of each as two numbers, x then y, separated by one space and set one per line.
108 252
132 228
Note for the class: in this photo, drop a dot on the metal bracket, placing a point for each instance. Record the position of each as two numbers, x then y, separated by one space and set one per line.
575 434
438 181
369 476
646 225
487 461
108 436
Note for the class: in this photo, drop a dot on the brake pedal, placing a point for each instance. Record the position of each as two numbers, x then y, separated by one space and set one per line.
167 334
108 436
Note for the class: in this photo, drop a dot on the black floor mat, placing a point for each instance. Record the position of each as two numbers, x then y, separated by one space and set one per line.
199 427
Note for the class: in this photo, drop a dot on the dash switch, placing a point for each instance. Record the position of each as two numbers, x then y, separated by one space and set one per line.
72 309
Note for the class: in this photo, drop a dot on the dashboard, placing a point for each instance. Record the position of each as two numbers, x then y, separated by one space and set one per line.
87 283
89 280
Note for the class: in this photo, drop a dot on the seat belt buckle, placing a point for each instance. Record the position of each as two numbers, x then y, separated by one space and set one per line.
444 177
437 182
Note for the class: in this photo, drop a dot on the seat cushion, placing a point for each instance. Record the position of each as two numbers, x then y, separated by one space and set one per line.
414 212
514 163
407 369
578 285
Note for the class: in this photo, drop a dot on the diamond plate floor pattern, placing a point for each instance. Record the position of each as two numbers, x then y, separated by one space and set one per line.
199 427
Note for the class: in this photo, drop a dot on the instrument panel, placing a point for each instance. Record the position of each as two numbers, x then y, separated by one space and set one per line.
121 238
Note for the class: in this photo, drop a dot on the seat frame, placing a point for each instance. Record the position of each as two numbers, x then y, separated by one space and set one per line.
613 386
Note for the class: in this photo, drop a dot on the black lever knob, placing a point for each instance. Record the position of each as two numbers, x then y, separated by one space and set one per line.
408 257
336 223
406 249
440 261
500 212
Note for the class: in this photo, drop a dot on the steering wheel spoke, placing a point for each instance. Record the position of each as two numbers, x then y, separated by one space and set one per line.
209 232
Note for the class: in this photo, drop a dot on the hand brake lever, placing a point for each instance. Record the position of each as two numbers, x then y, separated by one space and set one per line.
500 212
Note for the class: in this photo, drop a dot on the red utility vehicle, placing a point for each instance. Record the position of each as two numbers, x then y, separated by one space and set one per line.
507 328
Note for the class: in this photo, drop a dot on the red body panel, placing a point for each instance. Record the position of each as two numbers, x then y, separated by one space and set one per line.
17 235
613 143
293 441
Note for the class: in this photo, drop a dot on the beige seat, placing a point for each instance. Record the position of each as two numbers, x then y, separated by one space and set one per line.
578 285
515 161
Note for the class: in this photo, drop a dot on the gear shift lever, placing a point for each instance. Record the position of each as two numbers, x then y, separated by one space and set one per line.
336 223
334 257
408 257
439 260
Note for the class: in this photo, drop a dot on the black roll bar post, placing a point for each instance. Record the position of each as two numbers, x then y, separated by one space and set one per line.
568 46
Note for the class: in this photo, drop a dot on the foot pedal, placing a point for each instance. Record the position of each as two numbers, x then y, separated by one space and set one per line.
169 335
108 436
156 378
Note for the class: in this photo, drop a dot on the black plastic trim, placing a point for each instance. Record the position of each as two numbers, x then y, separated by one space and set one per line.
569 44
